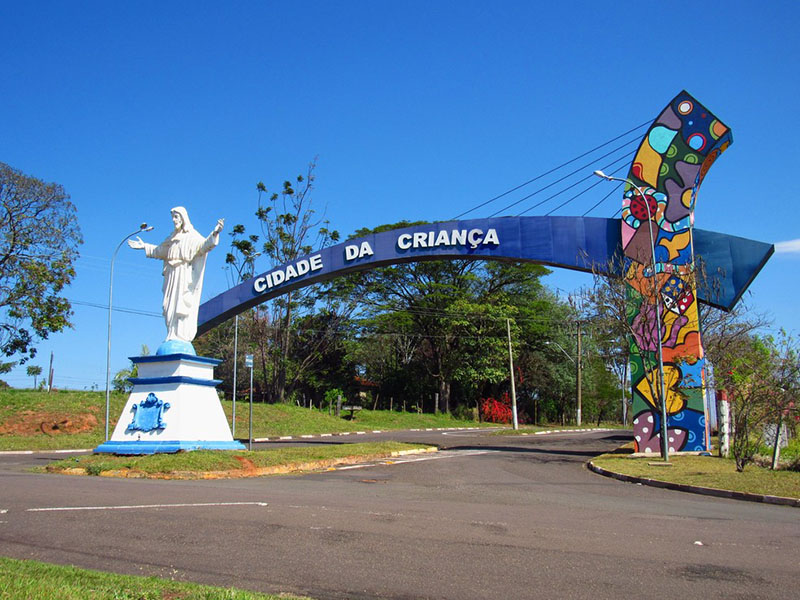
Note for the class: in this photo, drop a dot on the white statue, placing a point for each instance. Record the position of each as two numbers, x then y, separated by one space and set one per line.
184 255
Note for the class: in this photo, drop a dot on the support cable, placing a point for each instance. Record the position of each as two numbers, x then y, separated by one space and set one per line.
583 167
553 170
563 204
569 187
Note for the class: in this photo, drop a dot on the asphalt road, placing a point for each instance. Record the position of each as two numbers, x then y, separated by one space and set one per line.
488 517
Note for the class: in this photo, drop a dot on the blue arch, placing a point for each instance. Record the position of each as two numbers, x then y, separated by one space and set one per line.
577 243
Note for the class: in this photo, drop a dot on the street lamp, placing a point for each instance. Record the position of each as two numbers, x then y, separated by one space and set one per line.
250 259
577 364
142 227
661 395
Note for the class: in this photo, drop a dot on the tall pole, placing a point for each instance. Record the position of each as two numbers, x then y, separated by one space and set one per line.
250 437
660 387
511 370
578 375
248 362
235 369
142 227
50 374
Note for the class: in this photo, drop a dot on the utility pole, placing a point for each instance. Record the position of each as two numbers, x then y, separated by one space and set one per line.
578 374
511 370
50 379
235 369
248 362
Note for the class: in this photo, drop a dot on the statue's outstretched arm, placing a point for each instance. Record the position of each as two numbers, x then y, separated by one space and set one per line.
136 244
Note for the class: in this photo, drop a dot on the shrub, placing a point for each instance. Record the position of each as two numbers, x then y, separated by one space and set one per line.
331 396
496 411
465 413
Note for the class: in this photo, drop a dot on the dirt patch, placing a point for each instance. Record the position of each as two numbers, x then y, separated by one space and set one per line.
247 465
30 422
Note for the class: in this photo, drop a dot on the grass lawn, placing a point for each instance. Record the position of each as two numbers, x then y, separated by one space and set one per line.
273 420
36 420
229 463
27 579
706 471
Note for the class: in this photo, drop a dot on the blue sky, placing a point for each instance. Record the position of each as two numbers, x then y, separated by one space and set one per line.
414 110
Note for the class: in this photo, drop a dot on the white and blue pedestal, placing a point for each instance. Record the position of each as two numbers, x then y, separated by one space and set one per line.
173 406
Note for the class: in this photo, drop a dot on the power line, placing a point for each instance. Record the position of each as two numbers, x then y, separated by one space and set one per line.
132 311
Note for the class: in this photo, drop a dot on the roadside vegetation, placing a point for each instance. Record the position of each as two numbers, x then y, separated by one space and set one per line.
26 579
36 420
706 471
204 464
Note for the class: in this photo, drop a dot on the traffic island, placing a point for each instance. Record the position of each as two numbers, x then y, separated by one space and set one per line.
706 475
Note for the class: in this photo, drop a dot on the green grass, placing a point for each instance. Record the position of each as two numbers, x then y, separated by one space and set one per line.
706 471
269 420
790 454
188 464
27 579
274 420
43 410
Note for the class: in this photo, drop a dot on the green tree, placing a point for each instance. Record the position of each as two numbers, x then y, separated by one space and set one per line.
320 355
120 382
761 376
39 239
387 352
290 228
457 309
33 371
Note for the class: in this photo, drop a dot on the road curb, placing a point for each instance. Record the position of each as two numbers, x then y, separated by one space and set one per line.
28 452
283 438
307 436
694 489
286 438
549 431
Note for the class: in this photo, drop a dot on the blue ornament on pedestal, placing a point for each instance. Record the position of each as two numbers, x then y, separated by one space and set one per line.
175 347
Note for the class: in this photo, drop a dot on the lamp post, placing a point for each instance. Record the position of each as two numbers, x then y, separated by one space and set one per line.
661 395
577 364
511 371
249 260
143 227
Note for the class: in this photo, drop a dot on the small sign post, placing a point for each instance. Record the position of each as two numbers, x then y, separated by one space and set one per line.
248 362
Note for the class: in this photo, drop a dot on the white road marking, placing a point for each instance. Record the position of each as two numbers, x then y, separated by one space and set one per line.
458 433
551 431
441 455
135 506
28 452
417 458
